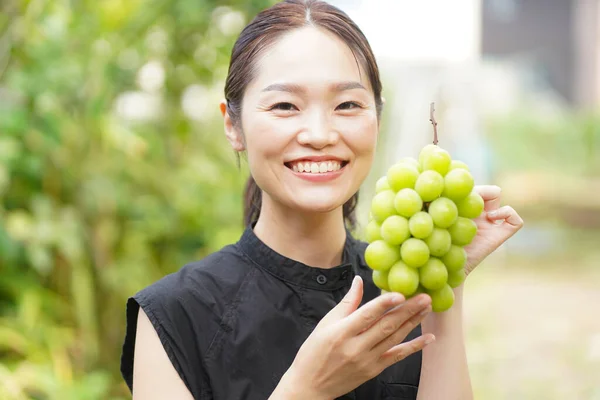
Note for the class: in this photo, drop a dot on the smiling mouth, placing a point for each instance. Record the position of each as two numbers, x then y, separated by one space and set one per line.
314 167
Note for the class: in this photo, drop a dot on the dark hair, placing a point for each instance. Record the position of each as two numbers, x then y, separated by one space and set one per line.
261 33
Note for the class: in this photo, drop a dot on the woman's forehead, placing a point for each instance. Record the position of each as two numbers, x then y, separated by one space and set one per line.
306 57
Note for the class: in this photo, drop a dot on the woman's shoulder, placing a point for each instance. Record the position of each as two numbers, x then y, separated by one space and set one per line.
208 279
186 308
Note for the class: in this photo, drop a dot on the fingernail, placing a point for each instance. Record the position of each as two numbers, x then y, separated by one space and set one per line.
397 299
430 340
354 282
492 214
425 311
422 301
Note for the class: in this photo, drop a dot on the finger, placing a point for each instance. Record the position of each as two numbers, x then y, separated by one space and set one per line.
391 322
403 350
367 315
348 304
507 214
491 196
398 336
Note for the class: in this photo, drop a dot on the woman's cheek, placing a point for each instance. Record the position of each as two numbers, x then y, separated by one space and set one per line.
268 136
360 135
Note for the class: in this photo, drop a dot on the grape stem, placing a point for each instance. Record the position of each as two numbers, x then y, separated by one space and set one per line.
434 123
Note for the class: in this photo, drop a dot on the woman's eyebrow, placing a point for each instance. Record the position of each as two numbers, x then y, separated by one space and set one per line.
295 88
285 87
349 85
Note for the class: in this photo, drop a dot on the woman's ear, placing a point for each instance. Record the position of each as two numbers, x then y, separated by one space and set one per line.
231 132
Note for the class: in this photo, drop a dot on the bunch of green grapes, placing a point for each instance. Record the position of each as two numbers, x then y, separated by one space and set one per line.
421 219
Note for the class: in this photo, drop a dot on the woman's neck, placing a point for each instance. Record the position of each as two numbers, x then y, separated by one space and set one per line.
315 239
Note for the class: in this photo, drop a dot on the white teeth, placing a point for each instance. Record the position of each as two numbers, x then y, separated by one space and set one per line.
316 167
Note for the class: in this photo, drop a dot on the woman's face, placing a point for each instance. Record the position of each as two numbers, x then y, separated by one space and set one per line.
309 122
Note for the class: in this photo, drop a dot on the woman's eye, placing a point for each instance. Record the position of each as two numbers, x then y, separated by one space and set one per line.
348 105
284 107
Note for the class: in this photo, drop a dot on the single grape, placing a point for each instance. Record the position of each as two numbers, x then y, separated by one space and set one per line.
471 206
458 183
407 202
394 229
456 278
433 275
373 231
437 160
414 252
455 258
403 279
420 225
458 164
463 231
382 205
402 176
429 185
443 211
382 184
442 299
425 151
411 161
439 242
380 279
380 255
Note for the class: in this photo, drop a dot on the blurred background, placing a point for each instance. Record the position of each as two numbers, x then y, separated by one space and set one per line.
114 171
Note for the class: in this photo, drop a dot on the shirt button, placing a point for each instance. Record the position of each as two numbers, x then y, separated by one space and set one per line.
322 279
344 274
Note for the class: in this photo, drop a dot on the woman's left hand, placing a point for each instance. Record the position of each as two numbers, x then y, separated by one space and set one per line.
494 226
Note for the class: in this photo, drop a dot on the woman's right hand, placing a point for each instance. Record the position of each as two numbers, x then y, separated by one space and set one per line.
351 345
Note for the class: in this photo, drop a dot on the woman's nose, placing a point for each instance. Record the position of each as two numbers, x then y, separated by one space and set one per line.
318 131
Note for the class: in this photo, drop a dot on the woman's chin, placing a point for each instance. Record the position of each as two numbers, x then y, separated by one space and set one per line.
317 204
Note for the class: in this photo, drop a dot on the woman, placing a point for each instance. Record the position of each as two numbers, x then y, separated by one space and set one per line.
290 311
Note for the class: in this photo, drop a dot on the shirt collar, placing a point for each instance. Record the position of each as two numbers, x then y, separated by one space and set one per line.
298 273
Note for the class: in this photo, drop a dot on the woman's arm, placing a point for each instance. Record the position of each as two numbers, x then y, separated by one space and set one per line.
444 371
154 376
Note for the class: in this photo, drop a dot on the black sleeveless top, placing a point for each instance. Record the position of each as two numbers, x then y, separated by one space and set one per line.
232 323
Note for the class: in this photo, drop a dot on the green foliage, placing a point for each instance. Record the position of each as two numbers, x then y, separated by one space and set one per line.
113 172
556 142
